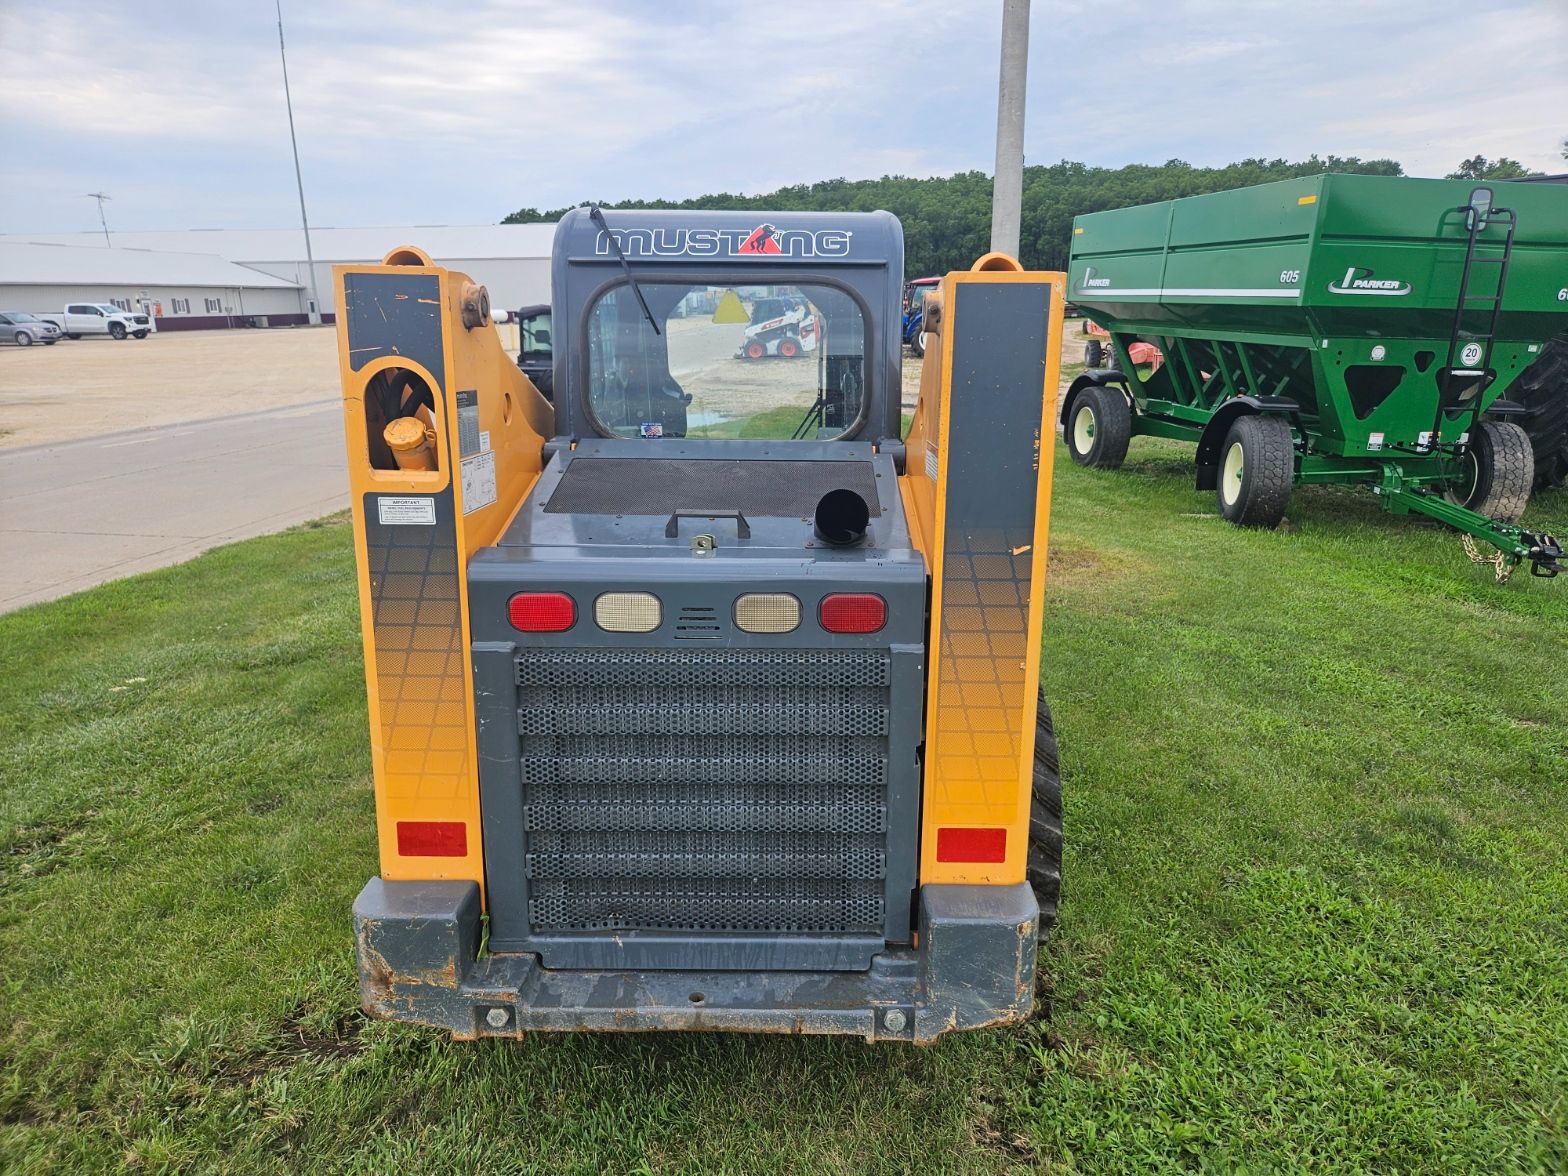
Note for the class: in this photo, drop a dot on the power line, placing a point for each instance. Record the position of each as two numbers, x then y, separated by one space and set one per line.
101 196
310 260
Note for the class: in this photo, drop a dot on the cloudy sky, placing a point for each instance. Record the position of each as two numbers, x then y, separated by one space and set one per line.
439 113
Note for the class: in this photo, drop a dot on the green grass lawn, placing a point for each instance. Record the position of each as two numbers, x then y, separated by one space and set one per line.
1316 909
768 425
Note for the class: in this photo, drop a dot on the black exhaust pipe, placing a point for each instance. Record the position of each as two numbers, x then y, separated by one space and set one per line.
841 519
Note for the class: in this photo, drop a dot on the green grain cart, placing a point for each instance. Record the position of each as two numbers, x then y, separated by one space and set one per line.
1341 328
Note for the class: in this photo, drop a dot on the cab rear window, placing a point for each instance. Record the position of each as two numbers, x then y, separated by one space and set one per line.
772 362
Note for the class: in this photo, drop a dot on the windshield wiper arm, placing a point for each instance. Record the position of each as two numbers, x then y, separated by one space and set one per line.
597 216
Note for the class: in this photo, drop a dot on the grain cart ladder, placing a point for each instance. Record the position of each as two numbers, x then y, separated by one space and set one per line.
1338 329
678 723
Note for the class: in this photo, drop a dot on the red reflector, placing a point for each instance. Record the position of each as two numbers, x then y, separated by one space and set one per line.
971 845
432 838
542 612
852 612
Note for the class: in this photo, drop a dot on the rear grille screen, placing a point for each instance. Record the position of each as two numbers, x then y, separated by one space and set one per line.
704 790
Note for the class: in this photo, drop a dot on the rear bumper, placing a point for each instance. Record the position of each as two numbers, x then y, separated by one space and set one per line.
975 966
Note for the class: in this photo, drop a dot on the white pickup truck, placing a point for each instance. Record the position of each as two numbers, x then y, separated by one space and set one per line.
99 318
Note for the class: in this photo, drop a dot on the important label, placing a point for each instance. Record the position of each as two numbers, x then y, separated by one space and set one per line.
478 476
406 511
468 436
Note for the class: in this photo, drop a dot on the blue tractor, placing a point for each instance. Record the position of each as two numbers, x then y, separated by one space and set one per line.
914 313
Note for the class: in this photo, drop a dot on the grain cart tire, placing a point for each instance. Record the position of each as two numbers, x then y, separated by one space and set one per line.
1044 867
1499 468
1542 388
1093 353
1099 425
1257 468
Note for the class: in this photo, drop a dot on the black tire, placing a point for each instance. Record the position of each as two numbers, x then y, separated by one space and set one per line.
141 334
1093 353
73 336
1499 467
116 330
1044 865
917 344
1098 427
50 342
1543 389
23 338
1257 470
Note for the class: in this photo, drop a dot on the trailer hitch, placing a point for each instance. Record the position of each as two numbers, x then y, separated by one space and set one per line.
1513 544
1543 551
1546 552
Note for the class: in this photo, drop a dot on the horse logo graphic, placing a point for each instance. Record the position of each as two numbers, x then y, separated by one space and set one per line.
762 239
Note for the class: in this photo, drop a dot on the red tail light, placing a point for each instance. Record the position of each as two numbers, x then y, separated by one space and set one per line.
971 845
432 839
852 612
542 612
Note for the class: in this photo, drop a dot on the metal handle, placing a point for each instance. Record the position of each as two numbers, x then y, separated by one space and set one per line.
672 529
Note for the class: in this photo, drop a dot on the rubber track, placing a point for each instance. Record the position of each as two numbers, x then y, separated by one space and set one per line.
1044 868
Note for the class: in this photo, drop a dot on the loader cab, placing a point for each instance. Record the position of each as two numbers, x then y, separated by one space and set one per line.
745 329
536 348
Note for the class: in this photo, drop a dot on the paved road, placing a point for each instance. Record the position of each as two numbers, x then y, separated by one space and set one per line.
78 513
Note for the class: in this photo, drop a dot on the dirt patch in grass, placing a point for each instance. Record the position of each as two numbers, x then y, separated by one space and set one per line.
34 851
1011 1145
1073 564
303 1038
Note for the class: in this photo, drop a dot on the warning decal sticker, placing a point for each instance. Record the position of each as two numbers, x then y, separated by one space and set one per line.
398 511
468 424
478 474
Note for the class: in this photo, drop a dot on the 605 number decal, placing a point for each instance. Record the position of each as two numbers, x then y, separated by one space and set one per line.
1289 277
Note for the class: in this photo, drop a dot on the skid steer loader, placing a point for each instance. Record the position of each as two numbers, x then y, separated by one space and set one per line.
701 698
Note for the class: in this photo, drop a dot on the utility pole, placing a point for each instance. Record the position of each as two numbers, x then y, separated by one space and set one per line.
1007 190
310 259
101 197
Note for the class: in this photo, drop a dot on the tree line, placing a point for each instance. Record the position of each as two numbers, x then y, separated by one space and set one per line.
947 219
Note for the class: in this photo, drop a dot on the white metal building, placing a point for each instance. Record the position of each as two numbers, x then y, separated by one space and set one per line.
181 290
512 260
